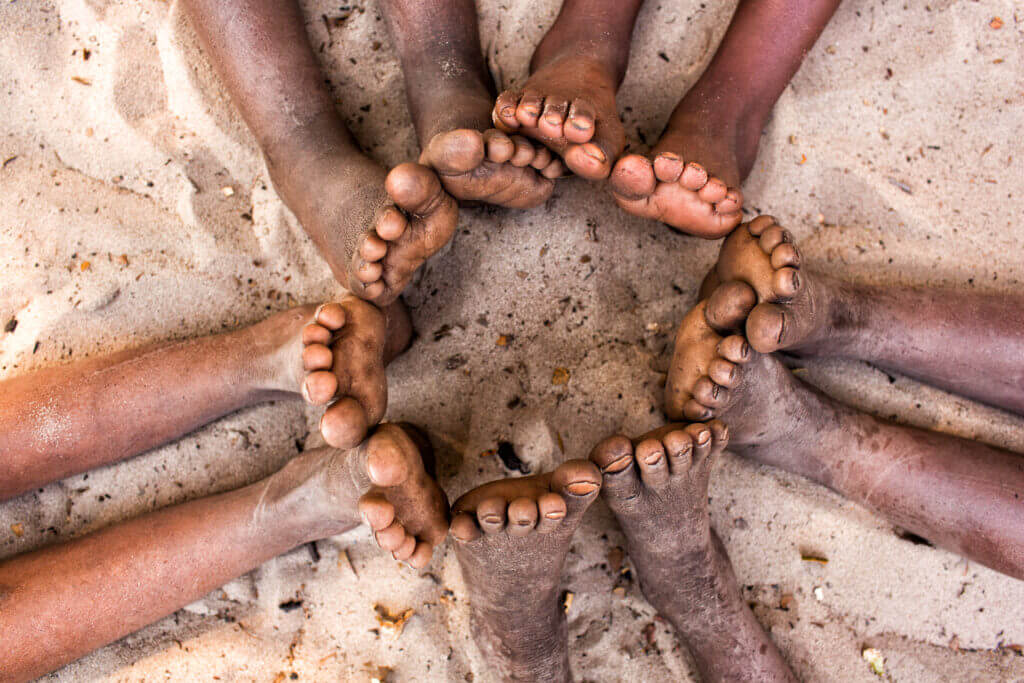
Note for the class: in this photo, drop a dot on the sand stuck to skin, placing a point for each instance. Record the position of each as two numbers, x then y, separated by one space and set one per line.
896 155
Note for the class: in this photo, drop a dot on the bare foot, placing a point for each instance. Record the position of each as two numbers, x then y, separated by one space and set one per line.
374 228
493 167
511 538
796 310
385 482
657 487
569 105
334 355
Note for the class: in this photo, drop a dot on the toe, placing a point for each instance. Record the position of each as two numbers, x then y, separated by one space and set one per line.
578 482
417 190
774 236
524 152
522 516
695 410
786 282
785 254
404 551
735 348
719 436
707 393
369 272
694 177
317 357
614 454
390 225
500 147
504 112
315 334
553 118
723 372
331 315
391 537
376 511
729 305
767 327
464 528
621 481
344 424
700 434
529 109
580 125
713 191
551 511
732 203
679 449
760 224
387 462
633 177
320 387
421 555
541 158
455 152
653 463
588 160
491 515
556 169
373 248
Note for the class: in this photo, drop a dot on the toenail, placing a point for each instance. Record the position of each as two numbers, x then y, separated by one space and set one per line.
552 119
581 488
596 154
796 281
704 437
554 515
745 349
508 111
714 391
581 125
653 458
617 465
492 519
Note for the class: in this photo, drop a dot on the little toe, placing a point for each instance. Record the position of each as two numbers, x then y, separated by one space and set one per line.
404 551
344 424
317 357
709 393
729 305
551 511
679 448
491 515
669 167
529 109
735 348
760 224
499 146
719 436
319 387
504 113
633 177
331 315
772 237
541 159
391 537
578 482
700 434
522 516
422 555
714 191
694 178
785 254
653 463
588 160
767 327
786 282
732 203
580 125
723 372
464 528
553 118
377 512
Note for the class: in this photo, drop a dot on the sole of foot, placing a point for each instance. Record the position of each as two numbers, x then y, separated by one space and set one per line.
568 104
794 308
492 167
682 195
657 487
420 220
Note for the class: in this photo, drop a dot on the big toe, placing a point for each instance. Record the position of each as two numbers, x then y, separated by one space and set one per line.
454 152
633 177
388 454
415 188
578 482
729 305
344 424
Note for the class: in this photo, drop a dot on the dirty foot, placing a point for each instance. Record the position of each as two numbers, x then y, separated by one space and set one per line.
568 104
493 167
657 487
385 482
511 538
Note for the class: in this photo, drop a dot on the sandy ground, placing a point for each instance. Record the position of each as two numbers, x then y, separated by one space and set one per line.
895 156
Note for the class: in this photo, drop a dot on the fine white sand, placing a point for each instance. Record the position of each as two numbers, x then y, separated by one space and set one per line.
894 156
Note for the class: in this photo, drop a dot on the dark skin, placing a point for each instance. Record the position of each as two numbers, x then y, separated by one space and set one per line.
374 228
568 102
511 539
63 601
450 96
70 418
958 494
690 179
657 487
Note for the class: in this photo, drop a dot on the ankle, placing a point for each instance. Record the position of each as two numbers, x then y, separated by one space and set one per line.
601 33
289 156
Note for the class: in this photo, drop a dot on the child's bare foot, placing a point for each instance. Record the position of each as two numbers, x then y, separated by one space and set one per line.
657 487
568 103
675 185
511 538
385 482
493 167
334 355
796 309
374 228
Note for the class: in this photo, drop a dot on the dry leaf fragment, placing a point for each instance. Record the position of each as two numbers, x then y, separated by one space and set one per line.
786 601
18 529
227 190
391 622
502 340
996 23
86 265
83 81
560 376
814 558
567 601
874 659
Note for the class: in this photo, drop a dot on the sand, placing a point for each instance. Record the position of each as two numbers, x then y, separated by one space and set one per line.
896 155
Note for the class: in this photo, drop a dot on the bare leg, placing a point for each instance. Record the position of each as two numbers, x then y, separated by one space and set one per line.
692 176
511 538
965 342
450 97
61 602
568 103
958 494
67 419
373 228
657 486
